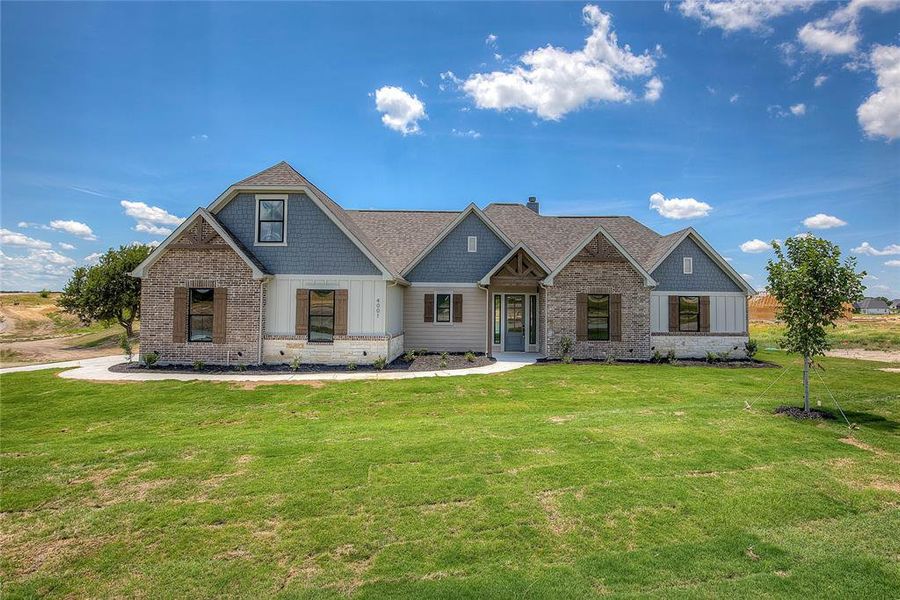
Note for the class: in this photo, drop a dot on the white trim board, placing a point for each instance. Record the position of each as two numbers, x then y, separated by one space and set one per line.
696 293
441 284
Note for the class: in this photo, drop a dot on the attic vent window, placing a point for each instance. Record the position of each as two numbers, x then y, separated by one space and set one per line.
473 243
688 265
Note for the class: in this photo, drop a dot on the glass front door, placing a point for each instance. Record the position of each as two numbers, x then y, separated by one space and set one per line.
515 323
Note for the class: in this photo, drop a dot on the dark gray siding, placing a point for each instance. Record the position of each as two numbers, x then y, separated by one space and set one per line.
315 245
707 276
450 260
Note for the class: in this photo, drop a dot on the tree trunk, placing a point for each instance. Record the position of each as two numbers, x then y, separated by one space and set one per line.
806 384
127 324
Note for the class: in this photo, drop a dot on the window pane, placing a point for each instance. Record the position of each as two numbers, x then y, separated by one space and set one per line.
321 315
201 328
271 210
442 304
598 317
498 303
201 301
271 231
689 313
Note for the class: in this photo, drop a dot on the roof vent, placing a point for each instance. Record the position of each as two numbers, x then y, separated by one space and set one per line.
533 205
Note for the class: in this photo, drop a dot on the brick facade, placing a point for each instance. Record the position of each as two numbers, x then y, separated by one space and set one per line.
599 269
213 264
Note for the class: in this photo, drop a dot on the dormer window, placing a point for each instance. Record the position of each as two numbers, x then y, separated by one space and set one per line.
271 215
473 243
688 264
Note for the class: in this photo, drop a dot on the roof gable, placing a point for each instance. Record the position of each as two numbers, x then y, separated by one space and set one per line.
709 251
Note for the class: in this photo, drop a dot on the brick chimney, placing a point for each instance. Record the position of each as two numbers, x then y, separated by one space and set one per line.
533 204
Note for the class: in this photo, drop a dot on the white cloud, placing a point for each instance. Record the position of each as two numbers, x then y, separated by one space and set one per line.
92 259
734 98
838 33
755 246
200 137
867 248
471 133
40 268
491 40
150 219
14 238
820 80
653 89
823 221
892 263
75 228
798 110
747 276
879 115
449 80
678 208
66 246
551 82
400 110
734 15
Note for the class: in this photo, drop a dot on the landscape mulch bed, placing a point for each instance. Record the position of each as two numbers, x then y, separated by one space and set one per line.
797 413
427 362
681 362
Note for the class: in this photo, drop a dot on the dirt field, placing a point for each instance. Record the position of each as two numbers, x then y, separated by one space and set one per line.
33 329
861 332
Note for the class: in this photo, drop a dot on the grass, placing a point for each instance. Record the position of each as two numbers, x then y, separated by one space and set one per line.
865 332
550 481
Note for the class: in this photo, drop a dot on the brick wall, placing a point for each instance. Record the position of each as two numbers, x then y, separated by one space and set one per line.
602 277
217 267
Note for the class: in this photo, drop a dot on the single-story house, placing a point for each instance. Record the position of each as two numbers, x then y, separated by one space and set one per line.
274 270
872 306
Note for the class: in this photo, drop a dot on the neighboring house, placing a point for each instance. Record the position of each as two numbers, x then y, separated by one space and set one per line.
872 306
895 303
274 269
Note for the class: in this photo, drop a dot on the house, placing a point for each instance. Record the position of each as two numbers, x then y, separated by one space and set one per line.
895 304
273 269
872 306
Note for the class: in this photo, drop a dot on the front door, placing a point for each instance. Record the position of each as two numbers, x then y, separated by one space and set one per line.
515 323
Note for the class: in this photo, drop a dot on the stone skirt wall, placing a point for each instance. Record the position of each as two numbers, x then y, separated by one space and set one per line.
362 350
696 346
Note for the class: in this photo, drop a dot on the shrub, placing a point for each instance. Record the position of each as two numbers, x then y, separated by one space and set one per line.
712 357
240 367
470 356
45 293
565 348
150 359
610 358
444 356
351 366
657 357
443 364
379 363
567 359
295 364
724 356
751 347
125 345
670 356
409 356
198 365
421 351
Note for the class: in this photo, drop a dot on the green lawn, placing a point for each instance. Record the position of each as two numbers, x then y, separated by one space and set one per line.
550 481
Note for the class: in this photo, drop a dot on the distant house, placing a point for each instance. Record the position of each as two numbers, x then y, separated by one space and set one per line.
895 303
872 306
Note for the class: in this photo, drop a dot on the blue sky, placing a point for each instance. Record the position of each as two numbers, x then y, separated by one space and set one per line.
119 119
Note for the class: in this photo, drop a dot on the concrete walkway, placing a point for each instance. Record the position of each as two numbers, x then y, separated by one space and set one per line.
97 369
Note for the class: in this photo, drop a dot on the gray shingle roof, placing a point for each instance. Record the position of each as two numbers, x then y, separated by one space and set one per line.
872 303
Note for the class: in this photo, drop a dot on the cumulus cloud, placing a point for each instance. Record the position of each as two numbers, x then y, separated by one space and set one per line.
151 219
551 82
879 115
678 208
76 228
823 221
795 110
798 110
734 15
867 248
838 33
491 40
93 258
40 268
399 110
892 263
65 246
820 80
755 246
14 238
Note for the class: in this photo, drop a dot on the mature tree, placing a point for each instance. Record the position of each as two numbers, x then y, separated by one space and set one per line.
106 291
811 286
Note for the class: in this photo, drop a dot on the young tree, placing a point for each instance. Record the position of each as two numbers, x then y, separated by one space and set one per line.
811 286
106 291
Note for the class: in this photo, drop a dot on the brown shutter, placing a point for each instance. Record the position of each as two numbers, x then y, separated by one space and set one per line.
340 312
704 314
179 317
615 317
301 321
220 311
457 308
581 317
429 308
673 313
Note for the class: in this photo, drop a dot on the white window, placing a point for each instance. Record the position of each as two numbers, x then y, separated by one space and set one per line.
473 243
688 265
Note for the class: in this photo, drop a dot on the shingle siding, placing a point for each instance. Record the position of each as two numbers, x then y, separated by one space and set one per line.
450 261
707 275
315 245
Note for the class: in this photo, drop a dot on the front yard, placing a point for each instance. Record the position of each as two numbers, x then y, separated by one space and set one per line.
557 480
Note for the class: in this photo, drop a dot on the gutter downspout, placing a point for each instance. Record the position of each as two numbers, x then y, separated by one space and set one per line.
488 316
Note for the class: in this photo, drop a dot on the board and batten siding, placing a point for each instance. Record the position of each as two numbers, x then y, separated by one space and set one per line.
394 309
365 302
471 334
727 311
